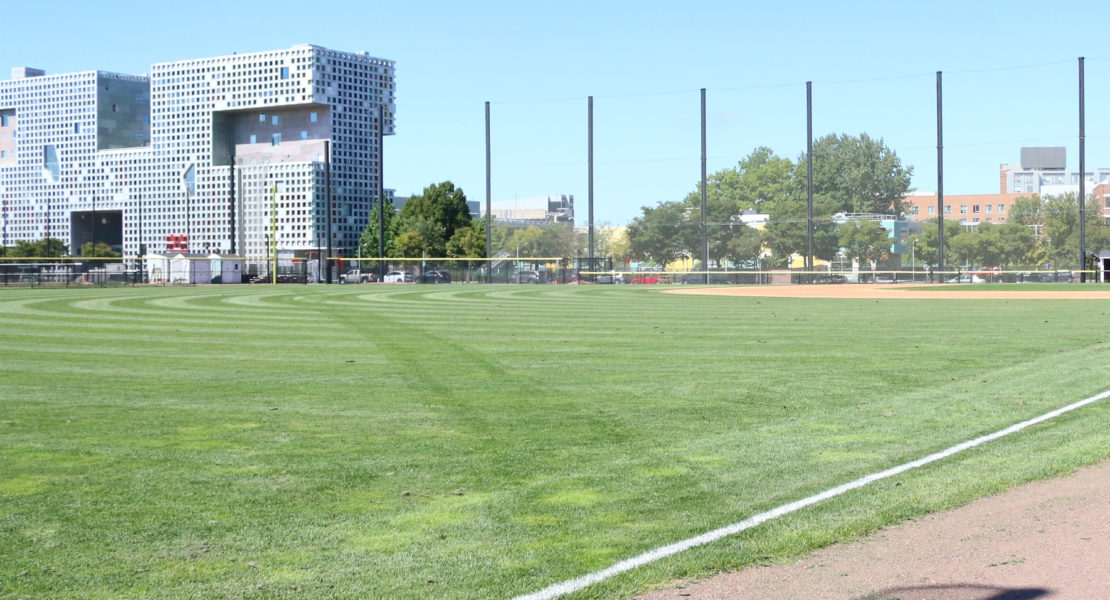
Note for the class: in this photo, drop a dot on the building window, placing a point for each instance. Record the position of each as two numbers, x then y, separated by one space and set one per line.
276 139
1001 208
285 72
50 167
975 208
274 121
312 117
304 135
254 139
947 210
932 210
989 207
963 209
3 153
4 120
115 108
262 118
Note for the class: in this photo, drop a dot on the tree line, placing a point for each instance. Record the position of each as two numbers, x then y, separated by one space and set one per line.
1040 231
437 223
852 175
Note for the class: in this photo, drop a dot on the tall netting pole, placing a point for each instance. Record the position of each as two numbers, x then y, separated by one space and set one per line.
489 218
940 177
590 176
809 176
704 219
1082 183
327 192
381 193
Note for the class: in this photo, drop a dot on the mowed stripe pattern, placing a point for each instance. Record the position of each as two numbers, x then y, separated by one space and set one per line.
487 441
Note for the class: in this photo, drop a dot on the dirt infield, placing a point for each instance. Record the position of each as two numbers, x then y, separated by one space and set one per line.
894 291
1048 539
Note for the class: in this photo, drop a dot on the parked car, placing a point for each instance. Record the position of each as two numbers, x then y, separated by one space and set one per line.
358 276
1046 277
435 276
609 278
967 278
528 277
397 277
648 278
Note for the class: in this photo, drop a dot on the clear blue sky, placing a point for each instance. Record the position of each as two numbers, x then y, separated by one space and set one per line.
1010 80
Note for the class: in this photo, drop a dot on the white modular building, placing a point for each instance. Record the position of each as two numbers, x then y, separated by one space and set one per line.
213 155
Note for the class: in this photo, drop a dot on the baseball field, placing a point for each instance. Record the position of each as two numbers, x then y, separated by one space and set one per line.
470 441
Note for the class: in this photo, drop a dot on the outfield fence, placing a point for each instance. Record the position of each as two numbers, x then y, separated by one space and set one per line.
234 270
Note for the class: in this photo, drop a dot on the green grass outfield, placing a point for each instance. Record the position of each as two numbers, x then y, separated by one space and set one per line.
487 441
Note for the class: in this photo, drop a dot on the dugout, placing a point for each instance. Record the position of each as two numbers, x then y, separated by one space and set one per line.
178 268
1102 265
225 269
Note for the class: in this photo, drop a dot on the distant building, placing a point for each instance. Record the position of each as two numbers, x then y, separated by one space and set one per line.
1101 194
186 159
1043 171
969 209
540 210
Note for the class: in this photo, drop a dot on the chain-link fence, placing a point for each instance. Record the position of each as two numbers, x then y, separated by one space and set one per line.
603 271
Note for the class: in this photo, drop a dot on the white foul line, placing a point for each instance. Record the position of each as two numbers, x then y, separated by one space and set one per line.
573 585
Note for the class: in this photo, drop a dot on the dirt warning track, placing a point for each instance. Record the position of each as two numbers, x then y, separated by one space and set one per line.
921 291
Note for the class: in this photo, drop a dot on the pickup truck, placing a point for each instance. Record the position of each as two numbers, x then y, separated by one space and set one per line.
357 276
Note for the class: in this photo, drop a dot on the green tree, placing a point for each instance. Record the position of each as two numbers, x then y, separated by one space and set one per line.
765 179
438 212
864 240
468 242
1061 229
368 241
926 241
100 250
610 241
557 240
761 181
787 235
45 247
856 174
524 243
746 246
1018 245
659 235
421 237
1027 210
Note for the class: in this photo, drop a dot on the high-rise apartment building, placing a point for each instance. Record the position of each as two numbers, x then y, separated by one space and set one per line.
1043 171
188 158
